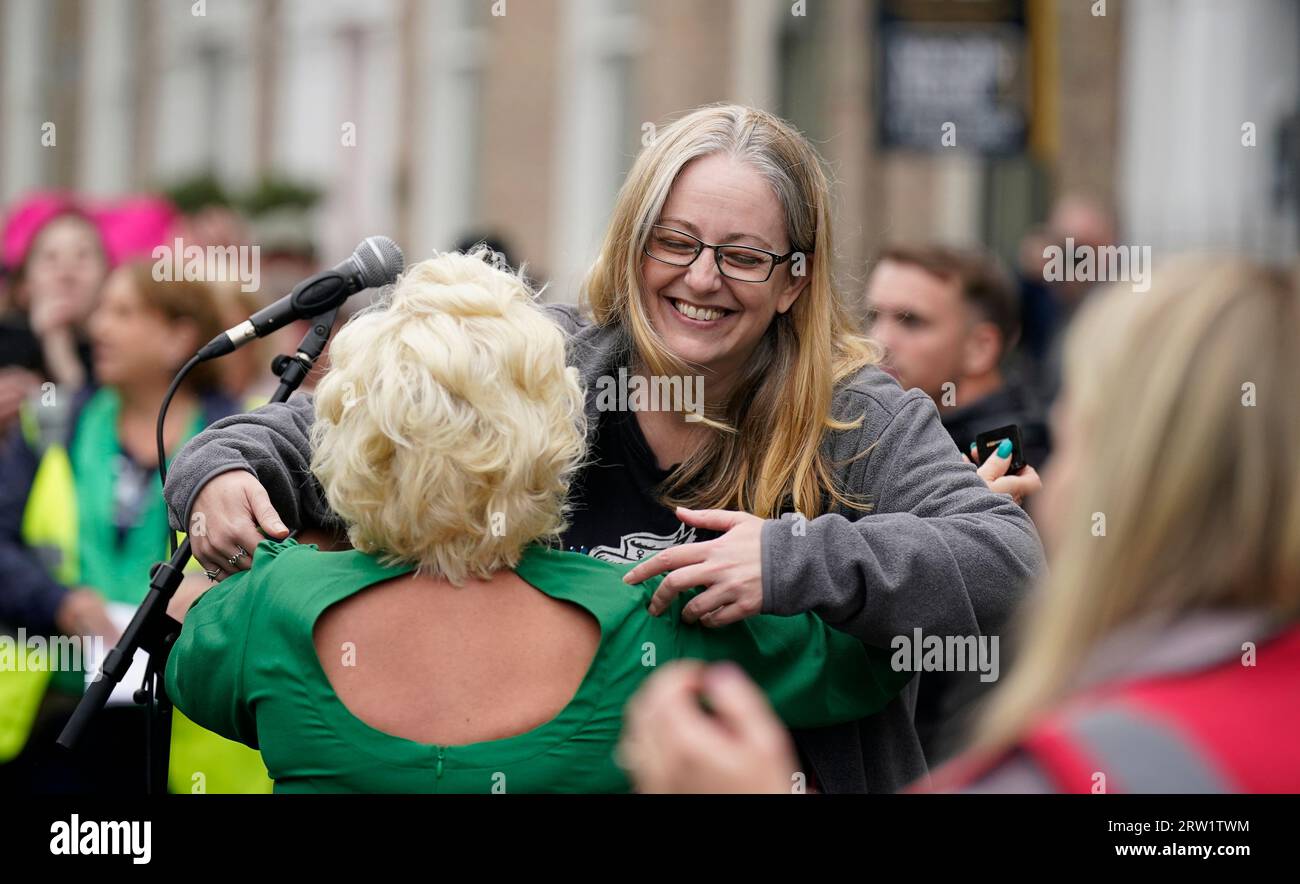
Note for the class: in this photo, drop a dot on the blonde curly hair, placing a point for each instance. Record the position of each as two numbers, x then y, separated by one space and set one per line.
448 426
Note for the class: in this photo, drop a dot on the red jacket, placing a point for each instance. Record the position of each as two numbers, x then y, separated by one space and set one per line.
1194 713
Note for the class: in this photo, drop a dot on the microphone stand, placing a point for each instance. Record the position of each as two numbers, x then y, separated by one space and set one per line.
151 629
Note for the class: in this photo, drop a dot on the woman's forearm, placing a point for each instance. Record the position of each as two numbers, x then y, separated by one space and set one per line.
884 576
273 443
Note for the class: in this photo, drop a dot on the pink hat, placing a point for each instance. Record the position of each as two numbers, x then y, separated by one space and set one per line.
129 228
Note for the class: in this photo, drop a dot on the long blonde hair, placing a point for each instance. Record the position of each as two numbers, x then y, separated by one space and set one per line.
1187 438
765 452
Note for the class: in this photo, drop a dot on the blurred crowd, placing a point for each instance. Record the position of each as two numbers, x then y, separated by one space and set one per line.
93 334
58 255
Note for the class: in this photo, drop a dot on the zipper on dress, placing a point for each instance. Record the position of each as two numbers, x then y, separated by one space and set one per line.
438 770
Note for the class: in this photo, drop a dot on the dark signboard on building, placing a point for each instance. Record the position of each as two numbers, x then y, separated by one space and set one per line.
953 74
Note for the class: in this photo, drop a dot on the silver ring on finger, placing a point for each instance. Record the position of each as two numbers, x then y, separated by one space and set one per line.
213 574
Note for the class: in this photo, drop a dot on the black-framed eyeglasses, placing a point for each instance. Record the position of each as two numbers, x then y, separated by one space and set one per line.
742 263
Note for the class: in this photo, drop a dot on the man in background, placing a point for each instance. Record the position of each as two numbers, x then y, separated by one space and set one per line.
947 319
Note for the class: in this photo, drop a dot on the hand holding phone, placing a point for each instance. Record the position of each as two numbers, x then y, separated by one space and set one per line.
987 443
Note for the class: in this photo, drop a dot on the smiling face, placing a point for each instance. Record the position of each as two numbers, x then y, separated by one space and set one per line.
706 318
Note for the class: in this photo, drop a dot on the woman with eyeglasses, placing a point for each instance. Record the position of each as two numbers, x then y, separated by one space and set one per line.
806 481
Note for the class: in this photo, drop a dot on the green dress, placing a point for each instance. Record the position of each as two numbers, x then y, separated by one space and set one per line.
246 666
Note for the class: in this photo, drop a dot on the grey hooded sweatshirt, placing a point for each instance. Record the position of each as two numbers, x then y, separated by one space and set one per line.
937 551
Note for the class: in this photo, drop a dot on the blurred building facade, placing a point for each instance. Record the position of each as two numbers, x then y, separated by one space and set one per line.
430 119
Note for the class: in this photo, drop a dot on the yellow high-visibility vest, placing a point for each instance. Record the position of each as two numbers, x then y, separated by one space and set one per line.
200 761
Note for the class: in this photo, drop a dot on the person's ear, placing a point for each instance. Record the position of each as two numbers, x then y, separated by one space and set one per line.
982 350
796 285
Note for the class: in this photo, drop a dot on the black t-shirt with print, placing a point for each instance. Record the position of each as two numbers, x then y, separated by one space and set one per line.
616 516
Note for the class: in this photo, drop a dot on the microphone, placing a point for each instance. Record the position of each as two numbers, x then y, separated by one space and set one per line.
376 262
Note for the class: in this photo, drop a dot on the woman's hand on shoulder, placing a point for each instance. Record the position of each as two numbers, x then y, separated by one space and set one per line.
230 517
729 568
